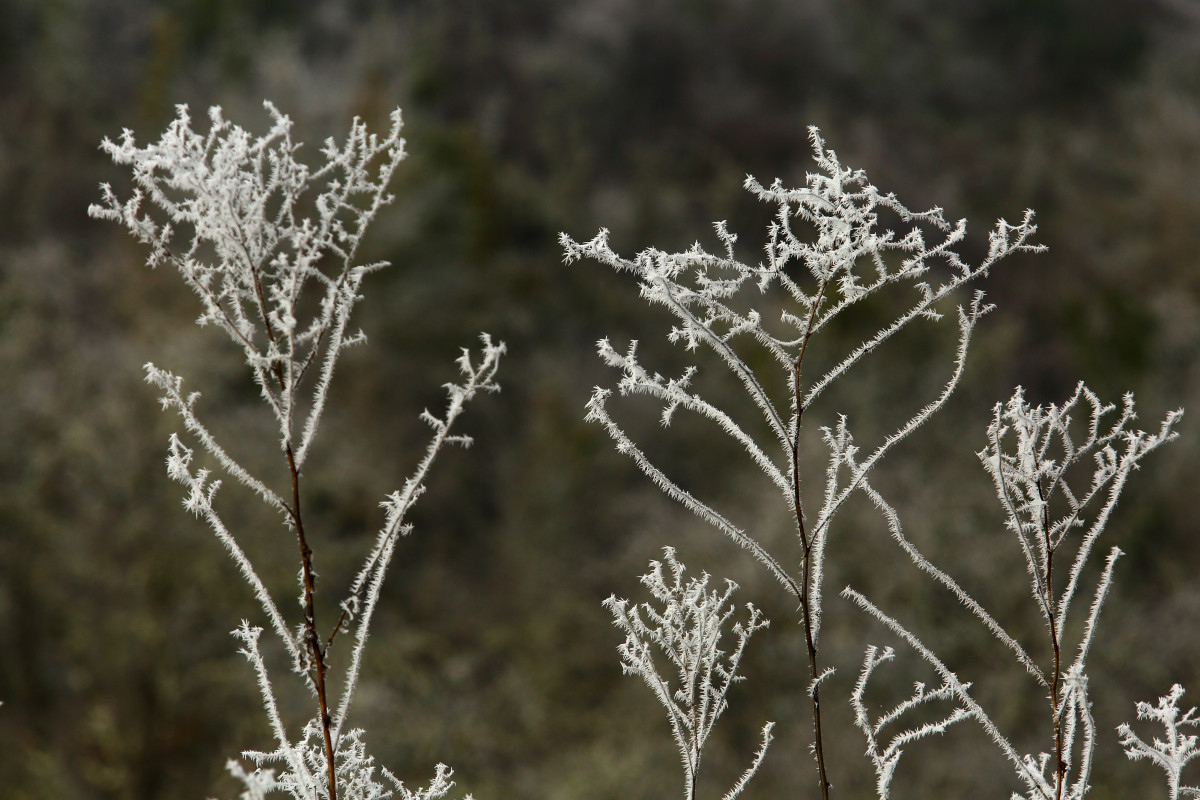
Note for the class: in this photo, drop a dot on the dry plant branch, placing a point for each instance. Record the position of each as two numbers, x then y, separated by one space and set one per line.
1033 455
255 261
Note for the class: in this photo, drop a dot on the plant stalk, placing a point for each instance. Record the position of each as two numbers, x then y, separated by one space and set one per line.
805 595
310 624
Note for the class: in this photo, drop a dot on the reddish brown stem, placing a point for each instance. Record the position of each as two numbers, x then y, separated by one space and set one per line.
805 605
805 595
1060 765
310 623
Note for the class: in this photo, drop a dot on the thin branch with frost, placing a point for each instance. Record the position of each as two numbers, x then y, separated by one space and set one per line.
283 286
752 770
685 627
674 394
844 450
1031 457
185 405
1172 753
835 496
658 272
925 307
597 411
304 782
886 758
1026 768
199 502
1089 628
479 378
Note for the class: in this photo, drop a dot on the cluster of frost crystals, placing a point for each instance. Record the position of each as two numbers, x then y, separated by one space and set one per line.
1038 457
1172 753
301 775
685 627
227 209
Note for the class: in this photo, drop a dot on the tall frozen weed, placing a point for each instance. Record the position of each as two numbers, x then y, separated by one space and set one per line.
226 209
839 259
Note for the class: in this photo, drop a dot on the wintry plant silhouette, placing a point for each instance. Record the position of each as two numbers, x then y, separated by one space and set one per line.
282 283
282 286
809 277
845 260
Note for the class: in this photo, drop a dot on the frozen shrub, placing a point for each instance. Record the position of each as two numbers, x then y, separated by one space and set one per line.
826 253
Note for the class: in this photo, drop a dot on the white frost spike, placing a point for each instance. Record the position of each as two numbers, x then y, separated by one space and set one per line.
1172 753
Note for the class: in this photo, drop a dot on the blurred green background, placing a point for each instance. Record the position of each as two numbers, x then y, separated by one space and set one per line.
491 651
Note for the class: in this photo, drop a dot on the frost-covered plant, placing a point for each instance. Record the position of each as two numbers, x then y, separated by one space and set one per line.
228 210
1056 513
685 628
810 277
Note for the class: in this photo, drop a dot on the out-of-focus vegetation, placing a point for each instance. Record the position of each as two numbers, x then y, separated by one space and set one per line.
492 652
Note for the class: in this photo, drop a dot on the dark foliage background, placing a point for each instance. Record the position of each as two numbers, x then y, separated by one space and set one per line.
492 653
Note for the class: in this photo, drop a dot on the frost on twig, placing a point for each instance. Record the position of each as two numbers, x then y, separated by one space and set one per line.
684 628
885 758
364 592
1172 753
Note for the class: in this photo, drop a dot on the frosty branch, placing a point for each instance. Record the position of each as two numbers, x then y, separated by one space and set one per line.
1033 455
685 628
282 285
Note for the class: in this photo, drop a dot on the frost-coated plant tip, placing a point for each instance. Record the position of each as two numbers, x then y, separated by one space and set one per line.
682 630
1171 753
